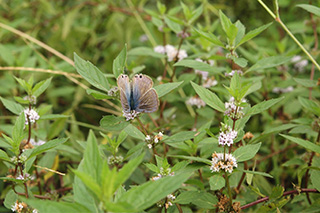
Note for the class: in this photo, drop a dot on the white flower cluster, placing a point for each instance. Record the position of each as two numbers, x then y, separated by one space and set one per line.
35 143
233 110
26 176
113 91
114 159
171 52
163 173
17 207
299 64
32 99
153 140
196 101
207 82
170 199
210 82
226 137
32 115
224 162
130 115
22 158
230 74
282 90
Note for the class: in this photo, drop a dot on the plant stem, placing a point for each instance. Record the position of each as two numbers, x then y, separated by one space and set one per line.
229 189
277 19
284 194
143 129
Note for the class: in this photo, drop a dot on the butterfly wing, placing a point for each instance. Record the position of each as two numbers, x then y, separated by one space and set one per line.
125 92
145 98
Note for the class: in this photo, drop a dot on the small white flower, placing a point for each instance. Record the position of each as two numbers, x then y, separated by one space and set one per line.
196 101
227 137
156 140
34 143
160 134
114 159
143 38
34 211
296 58
210 82
223 161
149 145
230 74
282 90
159 78
32 99
148 137
160 49
233 110
130 115
32 115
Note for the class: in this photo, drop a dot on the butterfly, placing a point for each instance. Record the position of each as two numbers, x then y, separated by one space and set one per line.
137 95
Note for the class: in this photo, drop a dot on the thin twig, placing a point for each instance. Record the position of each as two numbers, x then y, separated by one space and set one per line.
36 41
284 194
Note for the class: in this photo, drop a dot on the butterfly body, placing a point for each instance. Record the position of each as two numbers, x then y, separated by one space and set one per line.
137 95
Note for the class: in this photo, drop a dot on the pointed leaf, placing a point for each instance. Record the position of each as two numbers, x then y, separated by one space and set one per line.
91 73
12 106
119 62
246 152
163 89
250 35
306 144
209 98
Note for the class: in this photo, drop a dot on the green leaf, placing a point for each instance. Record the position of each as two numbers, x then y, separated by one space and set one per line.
126 171
209 98
145 51
147 194
210 37
119 62
92 159
256 173
26 86
161 7
113 123
40 87
98 95
21 100
197 65
260 107
152 167
54 206
276 193
230 29
310 8
216 182
174 26
310 105
306 82
134 132
246 152
47 146
12 106
240 61
195 14
91 73
201 199
91 184
180 137
250 35
163 89
306 144
4 156
269 62
314 174
18 133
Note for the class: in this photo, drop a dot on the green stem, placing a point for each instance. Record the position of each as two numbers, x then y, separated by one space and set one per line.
229 189
142 24
290 34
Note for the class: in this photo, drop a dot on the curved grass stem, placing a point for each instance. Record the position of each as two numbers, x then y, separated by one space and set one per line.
277 19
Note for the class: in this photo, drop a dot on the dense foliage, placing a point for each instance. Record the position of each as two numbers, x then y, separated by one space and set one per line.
237 127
